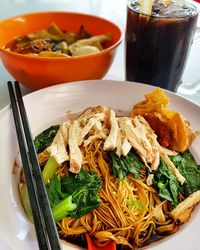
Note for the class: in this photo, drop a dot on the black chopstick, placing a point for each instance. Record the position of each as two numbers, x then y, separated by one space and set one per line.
45 227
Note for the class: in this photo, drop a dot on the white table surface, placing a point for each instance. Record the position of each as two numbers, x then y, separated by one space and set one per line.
114 10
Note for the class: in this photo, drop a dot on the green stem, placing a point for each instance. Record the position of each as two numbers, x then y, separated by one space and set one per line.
61 210
49 169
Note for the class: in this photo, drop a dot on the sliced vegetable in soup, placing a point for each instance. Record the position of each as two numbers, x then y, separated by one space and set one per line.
54 42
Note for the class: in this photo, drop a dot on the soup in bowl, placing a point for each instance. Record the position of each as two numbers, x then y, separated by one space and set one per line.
35 71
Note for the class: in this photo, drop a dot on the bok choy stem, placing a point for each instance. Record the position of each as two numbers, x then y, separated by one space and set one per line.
61 210
49 169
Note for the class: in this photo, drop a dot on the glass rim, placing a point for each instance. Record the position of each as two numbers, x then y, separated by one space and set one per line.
195 12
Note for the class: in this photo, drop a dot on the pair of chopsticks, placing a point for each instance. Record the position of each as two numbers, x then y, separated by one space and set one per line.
45 227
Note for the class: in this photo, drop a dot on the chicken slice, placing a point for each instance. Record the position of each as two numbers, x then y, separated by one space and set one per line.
126 147
64 129
152 138
119 143
93 127
174 170
156 160
160 151
85 130
132 136
167 151
159 215
98 125
111 142
58 148
141 131
183 210
100 112
93 137
74 150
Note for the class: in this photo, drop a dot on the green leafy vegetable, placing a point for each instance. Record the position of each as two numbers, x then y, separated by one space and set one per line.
166 183
54 191
61 203
163 191
124 165
84 189
49 169
45 138
74 195
187 166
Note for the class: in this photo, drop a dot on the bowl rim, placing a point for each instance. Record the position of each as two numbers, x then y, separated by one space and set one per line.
104 51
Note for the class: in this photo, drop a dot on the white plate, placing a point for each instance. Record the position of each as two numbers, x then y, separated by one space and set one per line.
49 106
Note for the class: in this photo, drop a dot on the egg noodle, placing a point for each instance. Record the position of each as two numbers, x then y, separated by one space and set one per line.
130 213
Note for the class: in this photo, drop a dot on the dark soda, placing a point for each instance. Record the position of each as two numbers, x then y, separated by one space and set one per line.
157 46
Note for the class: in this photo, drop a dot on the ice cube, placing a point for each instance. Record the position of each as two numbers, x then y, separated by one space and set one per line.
177 8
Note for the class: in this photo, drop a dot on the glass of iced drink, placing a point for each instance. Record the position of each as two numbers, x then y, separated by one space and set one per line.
157 45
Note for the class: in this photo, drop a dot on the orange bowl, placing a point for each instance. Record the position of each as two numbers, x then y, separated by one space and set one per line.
40 72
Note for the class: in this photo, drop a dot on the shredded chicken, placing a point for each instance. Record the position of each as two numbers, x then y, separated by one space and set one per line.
93 137
183 210
166 151
153 149
58 148
64 129
100 111
85 130
118 133
111 141
142 133
141 137
132 136
74 150
174 170
159 215
119 143
126 147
